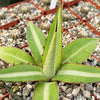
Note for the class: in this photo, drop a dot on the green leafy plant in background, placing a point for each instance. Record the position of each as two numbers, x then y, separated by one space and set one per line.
49 62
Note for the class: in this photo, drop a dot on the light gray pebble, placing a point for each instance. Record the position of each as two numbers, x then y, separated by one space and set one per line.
19 93
29 98
28 50
27 90
70 96
24 98
61 83
98 90
1 95
89 87
68 91
63 88
6 98
86 94
94 63
63 98
31 94
97 95
20 88
76 91
80 97
9 84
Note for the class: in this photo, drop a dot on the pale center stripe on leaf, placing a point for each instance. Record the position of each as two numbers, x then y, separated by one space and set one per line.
14 57
79 50
20 74
78 73
46 92
36 39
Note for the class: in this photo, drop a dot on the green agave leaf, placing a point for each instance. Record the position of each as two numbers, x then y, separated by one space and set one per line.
46 91
79 50
52 52
36 41
15 56
23 73
74 73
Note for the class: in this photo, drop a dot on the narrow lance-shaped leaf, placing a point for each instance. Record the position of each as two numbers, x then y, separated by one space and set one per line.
52 52
22 73
36 42
46 91
74 73
79 50
50 35
15 56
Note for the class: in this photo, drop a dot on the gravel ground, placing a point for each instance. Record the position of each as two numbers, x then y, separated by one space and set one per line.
82 31
85 9
6 16
95 22
44 4
97 2
16 37
69 19
25 11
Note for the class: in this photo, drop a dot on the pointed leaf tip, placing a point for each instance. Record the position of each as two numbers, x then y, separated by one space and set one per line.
79 50
52 52
36 41
15 56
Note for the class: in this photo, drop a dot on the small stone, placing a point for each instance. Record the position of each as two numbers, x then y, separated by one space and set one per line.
29 98
70 96
20 88
31 94
63 88
88 87
93 98
9 84
86 94
6 98
61 83
27 90
1 95
82 87
98 90
80 97
65 98
68 91
76 91
24 98
19 93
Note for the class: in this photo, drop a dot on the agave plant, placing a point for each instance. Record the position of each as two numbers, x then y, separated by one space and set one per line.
50 63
